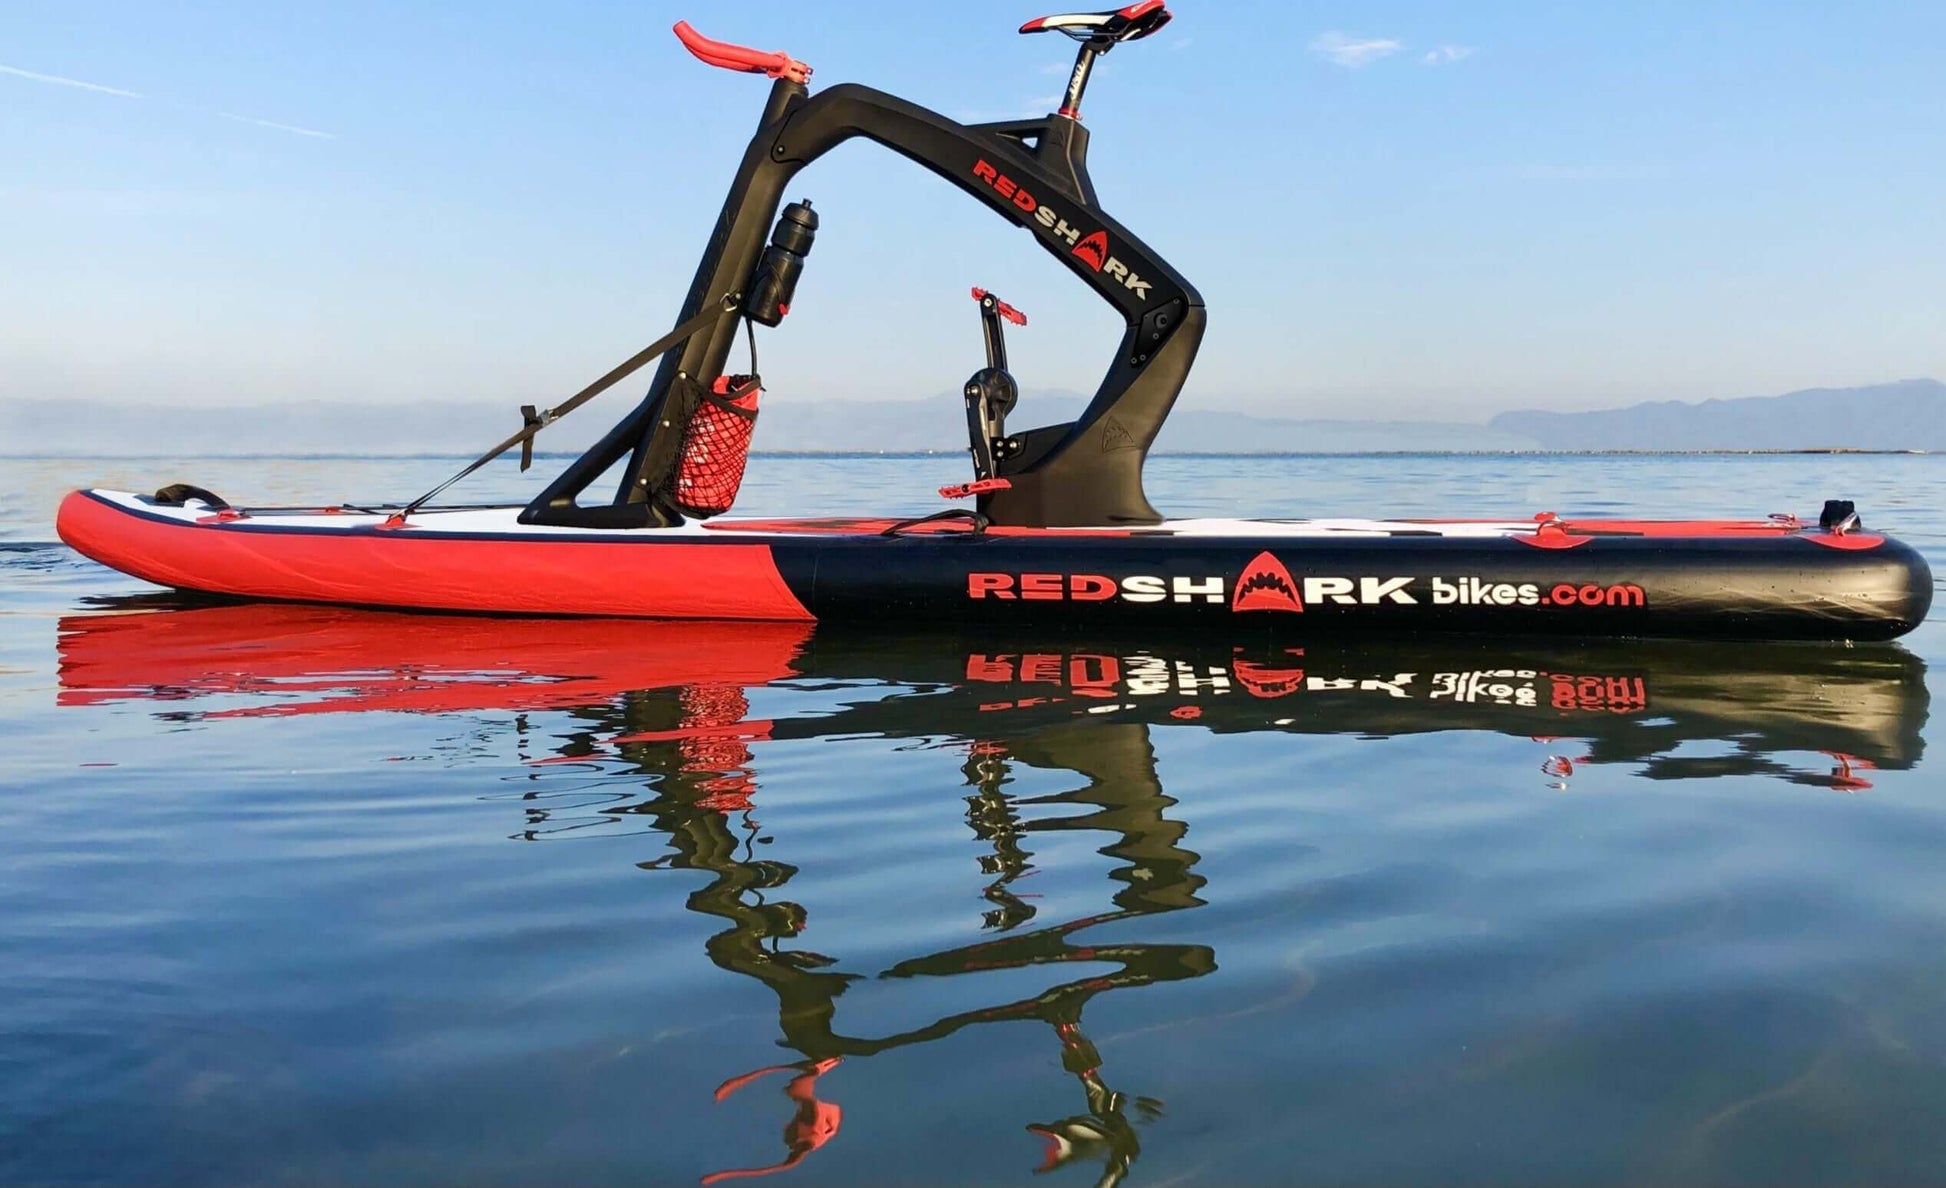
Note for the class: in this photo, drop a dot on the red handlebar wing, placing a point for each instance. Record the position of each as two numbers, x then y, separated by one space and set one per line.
739 57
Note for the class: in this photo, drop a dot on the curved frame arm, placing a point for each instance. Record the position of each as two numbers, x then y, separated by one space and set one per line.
1088 472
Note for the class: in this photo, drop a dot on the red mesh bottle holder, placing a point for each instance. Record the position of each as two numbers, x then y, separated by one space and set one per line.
716 445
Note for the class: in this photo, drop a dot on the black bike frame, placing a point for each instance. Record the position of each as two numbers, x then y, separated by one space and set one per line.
1031 172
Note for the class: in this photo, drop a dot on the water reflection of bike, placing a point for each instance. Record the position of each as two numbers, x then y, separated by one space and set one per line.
692 764
667 705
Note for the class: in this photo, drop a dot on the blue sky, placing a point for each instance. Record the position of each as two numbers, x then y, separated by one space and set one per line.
1433 210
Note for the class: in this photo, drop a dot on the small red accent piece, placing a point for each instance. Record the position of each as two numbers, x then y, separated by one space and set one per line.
1002 308
783 310
977 487
814 1123
1842 779
1552 535
1852 541
741 58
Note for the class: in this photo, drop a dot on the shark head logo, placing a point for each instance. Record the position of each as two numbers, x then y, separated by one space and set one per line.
1272 679
1265 586
1093 250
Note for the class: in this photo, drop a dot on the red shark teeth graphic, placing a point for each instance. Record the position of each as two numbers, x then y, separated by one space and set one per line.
1266 680
1265 586
1093 250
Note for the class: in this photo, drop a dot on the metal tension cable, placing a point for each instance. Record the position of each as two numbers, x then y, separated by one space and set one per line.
537 421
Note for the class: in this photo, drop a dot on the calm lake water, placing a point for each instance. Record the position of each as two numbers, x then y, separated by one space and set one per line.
299 895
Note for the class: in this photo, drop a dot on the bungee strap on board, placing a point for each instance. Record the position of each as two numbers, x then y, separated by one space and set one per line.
532 422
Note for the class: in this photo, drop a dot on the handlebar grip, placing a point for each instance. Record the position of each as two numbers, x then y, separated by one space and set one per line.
741 57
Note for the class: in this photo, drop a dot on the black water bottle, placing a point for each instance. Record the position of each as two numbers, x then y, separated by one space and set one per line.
774 283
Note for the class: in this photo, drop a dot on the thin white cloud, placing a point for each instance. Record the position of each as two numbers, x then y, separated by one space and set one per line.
58 81
291 128
1447 53
1343 49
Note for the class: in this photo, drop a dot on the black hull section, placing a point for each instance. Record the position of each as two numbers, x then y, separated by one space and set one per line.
1790 587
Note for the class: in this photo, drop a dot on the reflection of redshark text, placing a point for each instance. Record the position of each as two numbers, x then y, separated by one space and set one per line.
1100 677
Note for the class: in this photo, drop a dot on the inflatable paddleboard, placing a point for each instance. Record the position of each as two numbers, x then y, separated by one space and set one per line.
1774 578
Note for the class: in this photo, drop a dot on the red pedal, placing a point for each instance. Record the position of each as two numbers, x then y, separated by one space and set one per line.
977 487
1002 308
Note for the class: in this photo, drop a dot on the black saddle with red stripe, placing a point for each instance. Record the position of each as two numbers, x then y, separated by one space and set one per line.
1107 28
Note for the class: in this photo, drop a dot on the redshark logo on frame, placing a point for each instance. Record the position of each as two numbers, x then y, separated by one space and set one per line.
1091 249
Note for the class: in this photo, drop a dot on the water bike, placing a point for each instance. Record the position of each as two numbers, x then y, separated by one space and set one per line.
1059 531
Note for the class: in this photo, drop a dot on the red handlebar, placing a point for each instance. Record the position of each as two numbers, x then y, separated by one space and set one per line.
740 57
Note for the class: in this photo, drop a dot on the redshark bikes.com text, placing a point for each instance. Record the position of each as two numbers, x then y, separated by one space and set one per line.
1261 591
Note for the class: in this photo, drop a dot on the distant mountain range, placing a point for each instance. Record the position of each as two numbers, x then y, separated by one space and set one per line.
1910 415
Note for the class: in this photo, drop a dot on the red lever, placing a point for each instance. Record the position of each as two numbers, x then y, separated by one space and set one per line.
1002 308
739 57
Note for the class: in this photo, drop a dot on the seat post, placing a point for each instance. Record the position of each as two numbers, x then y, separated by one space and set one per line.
1098 32
1084 65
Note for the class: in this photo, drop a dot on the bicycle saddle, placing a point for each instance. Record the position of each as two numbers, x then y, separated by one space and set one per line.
1105 28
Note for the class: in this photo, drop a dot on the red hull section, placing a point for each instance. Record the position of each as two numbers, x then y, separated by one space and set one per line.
392 568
